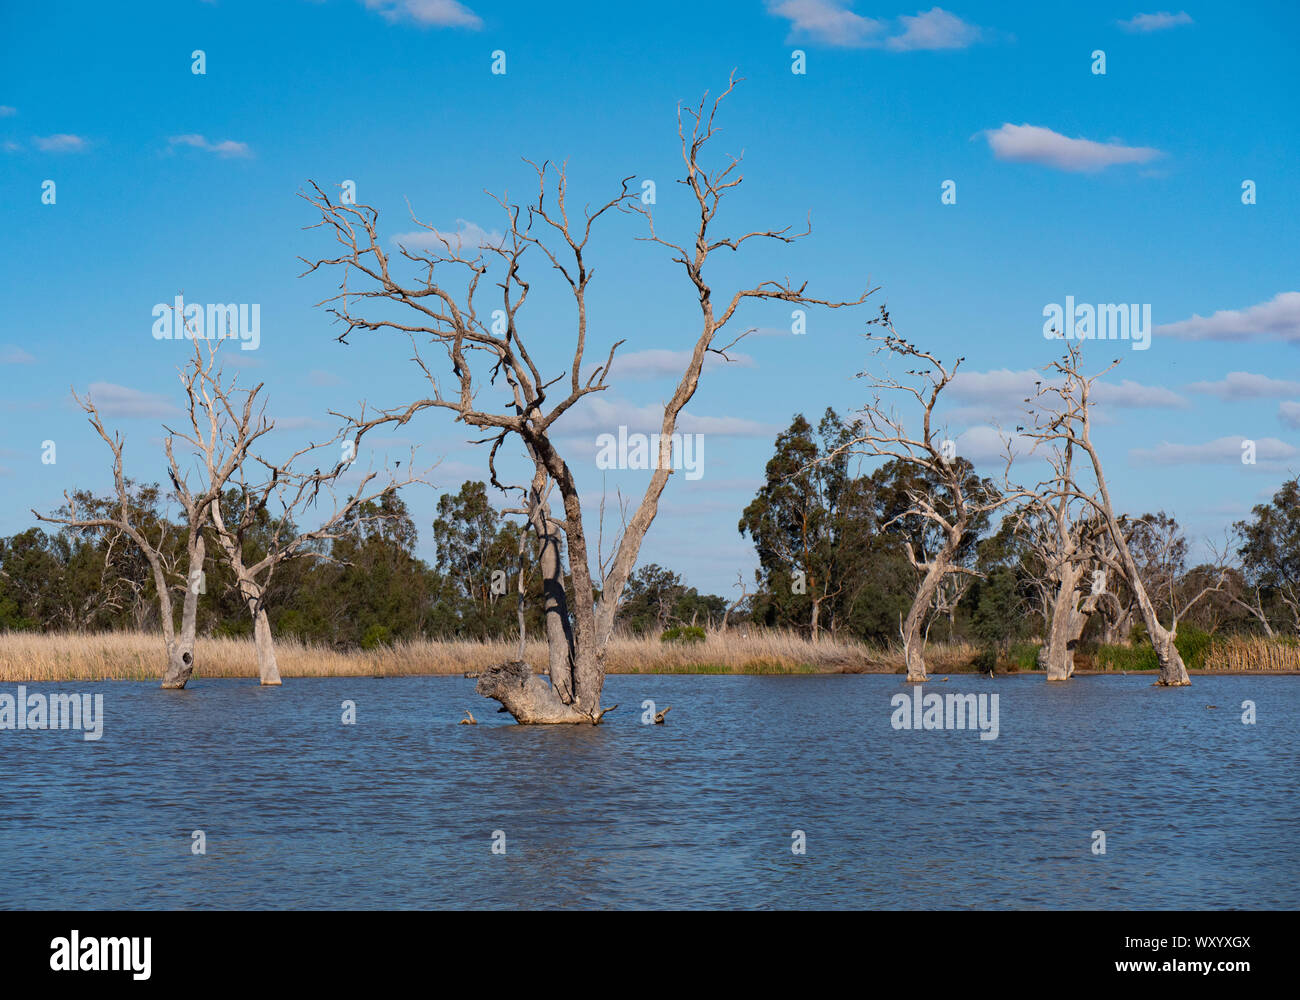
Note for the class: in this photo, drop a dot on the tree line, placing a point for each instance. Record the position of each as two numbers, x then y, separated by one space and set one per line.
833 553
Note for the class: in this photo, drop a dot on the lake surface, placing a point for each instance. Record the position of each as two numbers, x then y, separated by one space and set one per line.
399 810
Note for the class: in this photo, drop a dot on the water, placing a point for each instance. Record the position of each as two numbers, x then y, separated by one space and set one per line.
399 810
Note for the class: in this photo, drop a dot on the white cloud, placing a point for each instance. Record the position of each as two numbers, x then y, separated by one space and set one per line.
1217 452
7 112
323 378
120 401
831 22
299 423
467 236
1289 414
984 444
639 366
61 143
1035 144
439 13
1003 391
226 149
1279 318
600 415
933 29
1160 21
827 21
1128 393
15 356
1247 385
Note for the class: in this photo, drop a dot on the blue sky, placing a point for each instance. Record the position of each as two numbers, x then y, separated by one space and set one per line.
1117 188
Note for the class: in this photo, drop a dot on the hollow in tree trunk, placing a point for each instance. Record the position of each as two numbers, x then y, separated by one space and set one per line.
180 647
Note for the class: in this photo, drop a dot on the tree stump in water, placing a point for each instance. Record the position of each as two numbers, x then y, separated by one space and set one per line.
531 700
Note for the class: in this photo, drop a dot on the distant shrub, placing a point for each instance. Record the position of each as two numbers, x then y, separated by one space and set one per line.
683 633
985 660
1193 646
376 635
1024 655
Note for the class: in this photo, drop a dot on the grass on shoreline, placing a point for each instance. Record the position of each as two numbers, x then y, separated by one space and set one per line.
37 657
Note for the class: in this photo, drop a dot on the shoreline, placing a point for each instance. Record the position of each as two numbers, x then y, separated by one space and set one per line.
30 657
9 676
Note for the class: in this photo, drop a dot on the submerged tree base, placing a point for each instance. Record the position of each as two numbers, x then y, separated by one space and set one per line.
531 700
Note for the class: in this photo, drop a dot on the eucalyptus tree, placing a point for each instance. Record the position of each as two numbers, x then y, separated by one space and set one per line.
441 296
227 425
943 502
1062 413
1269 549
125 516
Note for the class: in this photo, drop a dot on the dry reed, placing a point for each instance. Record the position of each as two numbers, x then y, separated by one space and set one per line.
34 656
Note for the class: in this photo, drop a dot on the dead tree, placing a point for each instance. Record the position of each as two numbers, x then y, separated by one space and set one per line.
1064 417
226 426
947 598
196 508
1061 532
956 501
731 608
443 305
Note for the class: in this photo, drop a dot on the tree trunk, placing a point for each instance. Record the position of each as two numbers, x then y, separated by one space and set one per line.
180 648
180 663
1118 625
1057 654
529 698
913 639
268 670
559 630
588 639
1173 672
